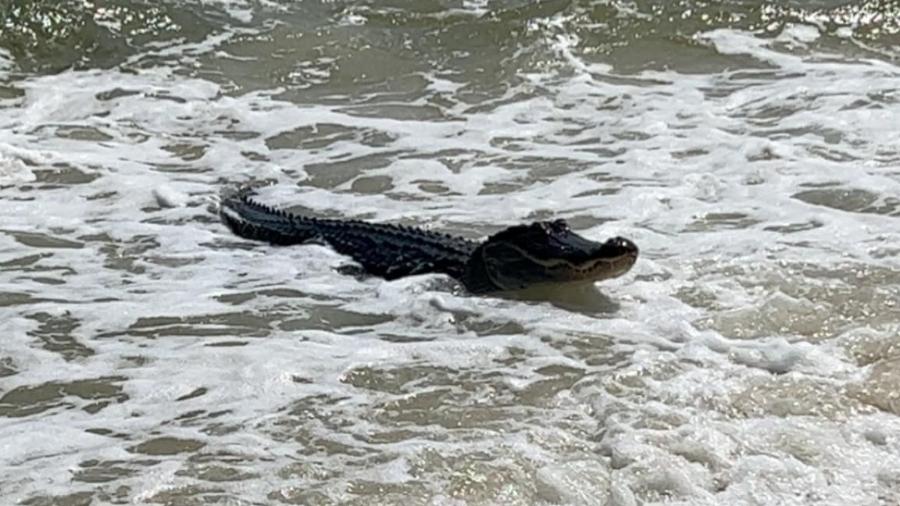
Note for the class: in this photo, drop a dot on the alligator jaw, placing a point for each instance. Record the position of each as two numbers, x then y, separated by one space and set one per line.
612 259
551 253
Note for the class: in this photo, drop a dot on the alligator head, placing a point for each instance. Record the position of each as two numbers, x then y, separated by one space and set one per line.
547 252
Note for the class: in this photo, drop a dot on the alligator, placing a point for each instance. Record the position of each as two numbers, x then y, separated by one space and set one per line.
521 256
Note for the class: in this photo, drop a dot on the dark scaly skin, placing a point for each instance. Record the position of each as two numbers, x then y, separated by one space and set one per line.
388 251
515 258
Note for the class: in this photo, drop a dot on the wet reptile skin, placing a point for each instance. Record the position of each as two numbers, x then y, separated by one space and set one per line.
394 251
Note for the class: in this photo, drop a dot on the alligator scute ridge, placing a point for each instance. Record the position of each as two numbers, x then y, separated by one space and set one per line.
543 252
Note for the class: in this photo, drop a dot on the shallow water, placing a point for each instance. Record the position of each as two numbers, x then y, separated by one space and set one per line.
751 150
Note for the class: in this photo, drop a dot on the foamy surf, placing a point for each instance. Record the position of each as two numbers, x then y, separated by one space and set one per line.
152 356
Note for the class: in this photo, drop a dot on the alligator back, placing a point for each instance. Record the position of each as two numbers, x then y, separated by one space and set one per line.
389 251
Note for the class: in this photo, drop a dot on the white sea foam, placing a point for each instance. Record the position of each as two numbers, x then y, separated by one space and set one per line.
6 60
13 170
700 378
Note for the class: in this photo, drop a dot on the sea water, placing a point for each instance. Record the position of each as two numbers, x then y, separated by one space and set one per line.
750 149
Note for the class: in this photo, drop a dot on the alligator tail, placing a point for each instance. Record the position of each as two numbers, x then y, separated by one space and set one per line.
252 220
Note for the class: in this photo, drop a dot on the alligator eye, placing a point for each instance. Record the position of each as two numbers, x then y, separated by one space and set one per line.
560 225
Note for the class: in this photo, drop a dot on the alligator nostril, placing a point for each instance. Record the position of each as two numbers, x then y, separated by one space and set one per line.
623 243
